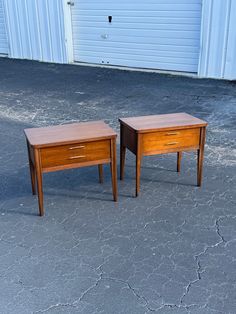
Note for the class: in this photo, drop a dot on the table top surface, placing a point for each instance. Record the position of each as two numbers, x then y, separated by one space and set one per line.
69 133
144 124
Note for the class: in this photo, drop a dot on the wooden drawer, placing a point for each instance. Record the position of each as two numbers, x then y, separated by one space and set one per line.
75 153
170 140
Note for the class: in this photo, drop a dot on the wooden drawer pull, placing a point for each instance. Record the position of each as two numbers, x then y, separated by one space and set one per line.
76 157
172 133
75 147
172 143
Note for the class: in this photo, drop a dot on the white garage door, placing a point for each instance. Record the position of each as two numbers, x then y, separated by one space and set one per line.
3 37
160 34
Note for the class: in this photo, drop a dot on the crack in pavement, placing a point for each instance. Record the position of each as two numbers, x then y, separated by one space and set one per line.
140 297
55 306
102 277
197 258
144 300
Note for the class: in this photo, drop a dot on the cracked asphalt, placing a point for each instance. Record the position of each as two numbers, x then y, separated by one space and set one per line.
171 250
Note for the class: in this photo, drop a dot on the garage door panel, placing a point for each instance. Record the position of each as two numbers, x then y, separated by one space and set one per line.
154 32
154 1
193 50
139 57
135 20
139 5
140 64
140 14
145 52
143 40
121 32
134 26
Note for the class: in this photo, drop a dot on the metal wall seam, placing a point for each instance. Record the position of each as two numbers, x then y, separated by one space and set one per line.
230 62
66 9
3 34
218 40
36 30
28 29
205 37
226 38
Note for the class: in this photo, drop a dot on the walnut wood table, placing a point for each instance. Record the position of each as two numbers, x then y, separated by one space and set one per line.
160 134
70 146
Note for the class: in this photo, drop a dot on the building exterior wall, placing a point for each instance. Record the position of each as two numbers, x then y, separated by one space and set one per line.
42 30
218 39
36 30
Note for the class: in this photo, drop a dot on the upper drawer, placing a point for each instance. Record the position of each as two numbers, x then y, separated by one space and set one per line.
75 153
169 140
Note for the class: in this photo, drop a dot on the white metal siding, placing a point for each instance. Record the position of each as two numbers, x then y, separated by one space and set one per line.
3 36
230 62
161 34
36 30
218 40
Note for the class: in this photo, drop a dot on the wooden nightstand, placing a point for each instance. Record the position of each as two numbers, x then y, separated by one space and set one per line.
160 134
70 146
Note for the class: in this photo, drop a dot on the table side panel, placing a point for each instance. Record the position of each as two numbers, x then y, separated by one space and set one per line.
31 154
129 138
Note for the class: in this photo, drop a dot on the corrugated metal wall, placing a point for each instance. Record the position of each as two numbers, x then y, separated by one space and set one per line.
218 39
36 30
3 37
41 30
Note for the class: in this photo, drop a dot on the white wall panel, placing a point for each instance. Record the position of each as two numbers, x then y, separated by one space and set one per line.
218 39
230 64
160 34
3 35
36 30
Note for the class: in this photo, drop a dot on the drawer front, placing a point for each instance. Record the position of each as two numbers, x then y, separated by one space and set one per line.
171 140
75 153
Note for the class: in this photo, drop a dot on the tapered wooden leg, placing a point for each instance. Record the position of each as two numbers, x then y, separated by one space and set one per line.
138 165
100 171
122 152
114 169
122 161
179 157
32 171
138 172
39 182
200 156
33 178
199 167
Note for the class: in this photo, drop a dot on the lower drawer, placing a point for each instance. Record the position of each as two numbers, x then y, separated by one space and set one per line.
74 154
172 140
